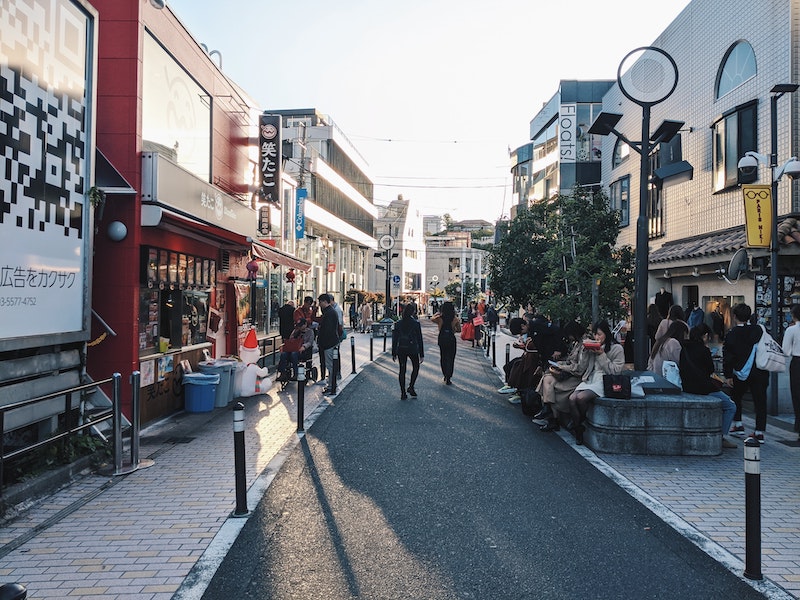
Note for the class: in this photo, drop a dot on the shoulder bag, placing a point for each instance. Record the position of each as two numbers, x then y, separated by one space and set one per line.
769 355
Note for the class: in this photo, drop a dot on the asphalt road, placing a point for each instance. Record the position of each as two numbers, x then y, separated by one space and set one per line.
452 495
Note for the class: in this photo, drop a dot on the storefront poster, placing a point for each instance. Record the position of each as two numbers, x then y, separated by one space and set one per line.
165 366
147 373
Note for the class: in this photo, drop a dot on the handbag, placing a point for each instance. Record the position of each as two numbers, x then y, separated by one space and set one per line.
477 320
672 373
769 355
616 385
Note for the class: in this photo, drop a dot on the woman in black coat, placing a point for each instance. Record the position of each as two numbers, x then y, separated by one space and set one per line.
407 343
736 351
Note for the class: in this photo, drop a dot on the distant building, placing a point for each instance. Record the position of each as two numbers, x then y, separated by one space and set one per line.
561 154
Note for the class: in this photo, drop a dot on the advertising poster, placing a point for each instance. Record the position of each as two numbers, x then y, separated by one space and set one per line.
45 216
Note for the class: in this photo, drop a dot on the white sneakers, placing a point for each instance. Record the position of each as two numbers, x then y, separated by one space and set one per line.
507 390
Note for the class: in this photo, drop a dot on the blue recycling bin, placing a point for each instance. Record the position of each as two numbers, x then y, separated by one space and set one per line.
200 389
225 369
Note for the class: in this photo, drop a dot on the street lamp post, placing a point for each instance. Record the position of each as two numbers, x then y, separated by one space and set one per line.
658 71
747 165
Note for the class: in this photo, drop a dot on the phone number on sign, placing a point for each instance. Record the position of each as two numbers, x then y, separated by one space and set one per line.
17 301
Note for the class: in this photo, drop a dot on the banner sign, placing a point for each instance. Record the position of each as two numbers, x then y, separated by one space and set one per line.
567 130
300 214
269 152
758 215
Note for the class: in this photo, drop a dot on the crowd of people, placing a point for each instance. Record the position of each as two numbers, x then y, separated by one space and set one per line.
561 369
567 372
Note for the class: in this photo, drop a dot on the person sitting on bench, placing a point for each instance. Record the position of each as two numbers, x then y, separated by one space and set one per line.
297 346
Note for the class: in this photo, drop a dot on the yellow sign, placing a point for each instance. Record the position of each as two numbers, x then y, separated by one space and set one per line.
757 215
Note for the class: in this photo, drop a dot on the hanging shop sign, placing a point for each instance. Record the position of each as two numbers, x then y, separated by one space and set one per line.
300 214
758 215
269 152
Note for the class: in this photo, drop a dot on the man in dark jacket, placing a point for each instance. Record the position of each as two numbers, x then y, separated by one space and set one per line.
328 336
286 319
736 354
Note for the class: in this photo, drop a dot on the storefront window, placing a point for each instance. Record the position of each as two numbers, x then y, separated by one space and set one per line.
173 306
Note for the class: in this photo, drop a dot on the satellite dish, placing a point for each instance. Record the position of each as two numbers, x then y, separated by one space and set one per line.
737 267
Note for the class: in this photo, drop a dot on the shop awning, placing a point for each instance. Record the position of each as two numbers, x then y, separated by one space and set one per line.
278 257
107 178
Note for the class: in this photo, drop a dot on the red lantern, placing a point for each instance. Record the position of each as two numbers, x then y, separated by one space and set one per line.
252 269
290 276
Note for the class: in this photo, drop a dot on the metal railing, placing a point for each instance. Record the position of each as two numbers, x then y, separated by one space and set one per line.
72 426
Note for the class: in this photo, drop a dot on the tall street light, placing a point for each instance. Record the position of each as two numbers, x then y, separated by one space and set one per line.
646 76
748 165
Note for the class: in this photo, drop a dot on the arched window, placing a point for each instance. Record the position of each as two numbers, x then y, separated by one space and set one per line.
738 66
621 153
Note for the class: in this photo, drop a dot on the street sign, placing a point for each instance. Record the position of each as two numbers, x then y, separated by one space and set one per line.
396 280
331 267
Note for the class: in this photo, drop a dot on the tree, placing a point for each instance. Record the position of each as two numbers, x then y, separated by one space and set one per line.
448 221
453 290
514 264
552 252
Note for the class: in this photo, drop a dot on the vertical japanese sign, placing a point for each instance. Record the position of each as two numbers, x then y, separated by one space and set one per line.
269 152
300 214
758 215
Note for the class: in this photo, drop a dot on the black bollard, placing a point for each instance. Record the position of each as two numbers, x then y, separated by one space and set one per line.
13 591
370 348
239 464
752 508
508 353
488 343
494 349
335 377
353 352
384 340
301 397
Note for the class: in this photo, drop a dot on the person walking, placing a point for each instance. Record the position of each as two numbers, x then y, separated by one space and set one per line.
449 325
366 317
741 373
407 344
791 347
328 337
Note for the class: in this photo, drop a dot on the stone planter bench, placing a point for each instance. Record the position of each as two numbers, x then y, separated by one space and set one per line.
664 424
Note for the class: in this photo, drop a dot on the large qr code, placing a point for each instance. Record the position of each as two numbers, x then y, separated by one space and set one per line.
43 113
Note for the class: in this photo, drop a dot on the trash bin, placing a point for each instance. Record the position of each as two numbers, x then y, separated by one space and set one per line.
224 369
383 327
232 363
199 391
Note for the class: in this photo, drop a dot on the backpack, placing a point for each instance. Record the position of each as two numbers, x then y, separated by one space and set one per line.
406 342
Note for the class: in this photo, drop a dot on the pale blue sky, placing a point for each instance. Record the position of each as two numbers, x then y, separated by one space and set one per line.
454 83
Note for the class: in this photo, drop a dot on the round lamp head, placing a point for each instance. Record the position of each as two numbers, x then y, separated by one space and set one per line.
117 231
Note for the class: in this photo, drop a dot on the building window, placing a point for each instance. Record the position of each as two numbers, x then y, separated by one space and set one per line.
454 265
621 153
620 199
738 66
733 135
655 226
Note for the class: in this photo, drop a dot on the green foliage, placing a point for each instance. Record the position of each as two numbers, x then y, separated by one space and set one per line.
453 290
535 261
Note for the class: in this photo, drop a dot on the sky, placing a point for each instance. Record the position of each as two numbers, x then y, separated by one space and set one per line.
432 93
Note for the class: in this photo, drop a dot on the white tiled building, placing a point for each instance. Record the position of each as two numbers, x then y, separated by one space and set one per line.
729 55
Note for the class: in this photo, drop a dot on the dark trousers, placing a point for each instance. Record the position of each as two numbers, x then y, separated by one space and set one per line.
402 359
757 384
447 351
794 386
